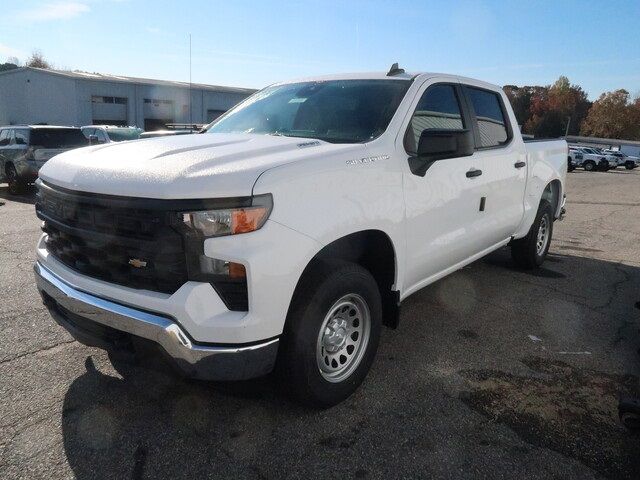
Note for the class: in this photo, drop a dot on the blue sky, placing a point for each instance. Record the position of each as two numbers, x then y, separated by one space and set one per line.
252 43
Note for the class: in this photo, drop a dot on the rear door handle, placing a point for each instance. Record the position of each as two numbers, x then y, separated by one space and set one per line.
520 164
474 173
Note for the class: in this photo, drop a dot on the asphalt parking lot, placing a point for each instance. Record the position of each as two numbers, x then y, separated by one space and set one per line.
493 373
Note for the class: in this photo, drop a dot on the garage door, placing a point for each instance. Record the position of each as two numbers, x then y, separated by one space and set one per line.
106 110
157 113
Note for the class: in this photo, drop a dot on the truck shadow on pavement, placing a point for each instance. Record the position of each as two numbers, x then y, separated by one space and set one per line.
29 196
149 424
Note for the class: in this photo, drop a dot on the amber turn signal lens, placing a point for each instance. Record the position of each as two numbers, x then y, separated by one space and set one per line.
236 270
247 220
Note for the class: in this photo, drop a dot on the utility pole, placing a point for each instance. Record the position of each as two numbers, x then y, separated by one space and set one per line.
566 132
190 111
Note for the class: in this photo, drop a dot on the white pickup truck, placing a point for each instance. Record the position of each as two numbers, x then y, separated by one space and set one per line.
288 233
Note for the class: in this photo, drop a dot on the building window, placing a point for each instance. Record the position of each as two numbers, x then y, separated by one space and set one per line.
157 101
104 99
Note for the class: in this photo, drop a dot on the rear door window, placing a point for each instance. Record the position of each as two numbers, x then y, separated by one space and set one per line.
490 117
21 136
4 137
58 138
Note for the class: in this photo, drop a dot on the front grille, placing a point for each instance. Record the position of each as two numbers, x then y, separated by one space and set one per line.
127 241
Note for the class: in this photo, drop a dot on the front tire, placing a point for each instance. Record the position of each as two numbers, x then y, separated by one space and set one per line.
630 165
530 252
332 333
589 166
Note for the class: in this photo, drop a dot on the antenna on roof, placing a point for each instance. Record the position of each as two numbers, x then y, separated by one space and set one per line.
395 70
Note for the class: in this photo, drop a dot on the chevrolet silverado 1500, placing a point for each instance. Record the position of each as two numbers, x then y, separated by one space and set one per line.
286 234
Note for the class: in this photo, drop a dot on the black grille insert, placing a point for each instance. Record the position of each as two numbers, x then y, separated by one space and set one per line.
123 241
135 242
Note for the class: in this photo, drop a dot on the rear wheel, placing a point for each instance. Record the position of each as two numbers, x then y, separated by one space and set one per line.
589 166
16 186
332 333
529 252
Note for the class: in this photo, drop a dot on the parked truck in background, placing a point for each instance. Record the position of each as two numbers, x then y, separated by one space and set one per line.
288 233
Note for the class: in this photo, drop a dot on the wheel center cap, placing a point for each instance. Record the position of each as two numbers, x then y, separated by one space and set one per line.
335 335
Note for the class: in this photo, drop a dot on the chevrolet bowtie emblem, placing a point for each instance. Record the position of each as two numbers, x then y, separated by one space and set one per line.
137 263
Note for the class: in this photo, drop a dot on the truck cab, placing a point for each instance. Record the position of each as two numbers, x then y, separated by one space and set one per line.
289 232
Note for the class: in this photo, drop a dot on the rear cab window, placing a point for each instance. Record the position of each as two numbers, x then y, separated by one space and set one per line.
58 138
490 118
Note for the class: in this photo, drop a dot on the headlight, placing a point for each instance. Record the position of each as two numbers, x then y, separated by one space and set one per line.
231 217
230 221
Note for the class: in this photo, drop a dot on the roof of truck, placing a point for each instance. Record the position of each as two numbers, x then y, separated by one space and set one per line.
386 76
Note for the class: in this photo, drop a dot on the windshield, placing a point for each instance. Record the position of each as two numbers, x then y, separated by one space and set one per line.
337 111
122 134
58 138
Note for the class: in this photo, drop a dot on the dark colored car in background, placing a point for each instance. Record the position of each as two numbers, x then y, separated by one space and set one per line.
25 148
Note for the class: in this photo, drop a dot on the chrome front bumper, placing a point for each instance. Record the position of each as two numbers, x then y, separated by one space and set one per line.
72 309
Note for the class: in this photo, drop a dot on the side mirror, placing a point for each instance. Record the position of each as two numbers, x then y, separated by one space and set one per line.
440 144
93 140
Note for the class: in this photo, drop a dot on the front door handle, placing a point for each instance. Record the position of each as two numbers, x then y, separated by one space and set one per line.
520 164
474 173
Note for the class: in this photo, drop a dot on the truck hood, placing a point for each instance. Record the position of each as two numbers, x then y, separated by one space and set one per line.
184 166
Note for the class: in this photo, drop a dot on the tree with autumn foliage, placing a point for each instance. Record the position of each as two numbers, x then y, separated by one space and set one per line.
613 115
546 111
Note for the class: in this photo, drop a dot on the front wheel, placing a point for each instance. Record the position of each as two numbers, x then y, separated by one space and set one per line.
630 165
589 166
529 252
332 333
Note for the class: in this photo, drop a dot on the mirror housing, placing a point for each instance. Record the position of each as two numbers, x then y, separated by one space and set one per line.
439 144
93 140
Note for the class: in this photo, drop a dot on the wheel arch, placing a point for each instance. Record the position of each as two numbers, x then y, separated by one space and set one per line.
551 193
373 250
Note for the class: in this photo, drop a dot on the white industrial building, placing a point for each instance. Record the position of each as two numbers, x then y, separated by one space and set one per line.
33 95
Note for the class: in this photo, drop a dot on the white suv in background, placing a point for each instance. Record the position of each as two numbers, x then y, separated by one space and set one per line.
110 133
623 159
587 159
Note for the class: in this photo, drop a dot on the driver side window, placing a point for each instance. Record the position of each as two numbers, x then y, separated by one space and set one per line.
438 108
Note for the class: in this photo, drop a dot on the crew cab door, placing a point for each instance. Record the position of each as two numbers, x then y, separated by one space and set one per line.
504 159
443 220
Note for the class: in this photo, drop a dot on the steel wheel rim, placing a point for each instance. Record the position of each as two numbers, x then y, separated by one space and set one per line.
343 338
543 236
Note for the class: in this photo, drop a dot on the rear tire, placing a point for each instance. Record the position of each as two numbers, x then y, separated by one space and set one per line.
332 333
16 186
530 252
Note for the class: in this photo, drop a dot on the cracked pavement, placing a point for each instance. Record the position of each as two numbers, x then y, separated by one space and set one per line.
493 373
